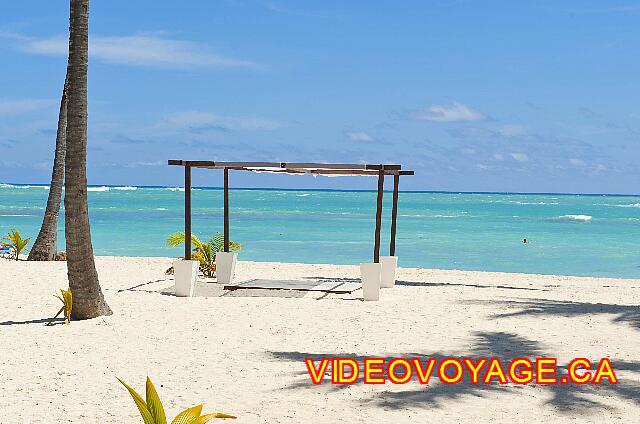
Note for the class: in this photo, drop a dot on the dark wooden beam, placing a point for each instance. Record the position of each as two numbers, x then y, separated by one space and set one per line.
394 215
226 209
386 167
187 212
346 172
312 165
376 246
284 165
222 165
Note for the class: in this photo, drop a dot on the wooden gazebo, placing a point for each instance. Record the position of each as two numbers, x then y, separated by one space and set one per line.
295 168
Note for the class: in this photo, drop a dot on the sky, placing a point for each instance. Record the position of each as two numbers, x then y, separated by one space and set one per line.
536 96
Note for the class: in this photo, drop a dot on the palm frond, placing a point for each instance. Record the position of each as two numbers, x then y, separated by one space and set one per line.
205 253
203 419
140 403
188 415
179 238
15 241
152 410
154 405
217 242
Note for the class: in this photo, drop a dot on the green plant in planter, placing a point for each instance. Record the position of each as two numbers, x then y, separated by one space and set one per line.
14 241
152 410
204 252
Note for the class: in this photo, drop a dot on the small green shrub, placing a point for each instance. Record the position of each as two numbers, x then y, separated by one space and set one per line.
14 241
152 410
204 252
66 297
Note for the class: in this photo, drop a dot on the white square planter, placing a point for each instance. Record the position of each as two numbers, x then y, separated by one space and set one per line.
370 275
388 273
225 266
186 275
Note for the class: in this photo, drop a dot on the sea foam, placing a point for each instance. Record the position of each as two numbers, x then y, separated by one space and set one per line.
577 217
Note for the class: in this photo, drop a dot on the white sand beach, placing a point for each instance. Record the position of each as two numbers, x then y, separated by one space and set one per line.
242 353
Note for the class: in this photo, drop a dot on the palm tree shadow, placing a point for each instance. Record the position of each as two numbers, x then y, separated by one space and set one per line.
475 286
625 314
136 287
505 346
45 321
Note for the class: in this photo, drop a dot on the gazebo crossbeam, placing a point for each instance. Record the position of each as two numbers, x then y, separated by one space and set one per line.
379 170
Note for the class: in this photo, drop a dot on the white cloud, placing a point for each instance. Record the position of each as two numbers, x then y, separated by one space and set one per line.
138 50
42 165
501 131
358 136
14 107
282 9
577 162
10 164
520 157
473 132
468 151
139 164
453 112
498 156
204 120
511 130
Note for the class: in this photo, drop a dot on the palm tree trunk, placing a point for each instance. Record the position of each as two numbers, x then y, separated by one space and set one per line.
88 300
45 246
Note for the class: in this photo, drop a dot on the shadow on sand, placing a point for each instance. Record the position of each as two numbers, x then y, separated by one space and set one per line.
624 314
567 398
475 286
46 321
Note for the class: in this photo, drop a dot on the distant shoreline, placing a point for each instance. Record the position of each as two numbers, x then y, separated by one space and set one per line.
507 193
410 269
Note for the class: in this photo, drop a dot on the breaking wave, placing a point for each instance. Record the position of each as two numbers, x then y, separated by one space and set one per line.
583 218
46 187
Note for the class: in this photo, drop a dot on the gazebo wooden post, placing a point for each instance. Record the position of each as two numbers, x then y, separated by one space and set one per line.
226 209
293 168
394 215
187 212
376 247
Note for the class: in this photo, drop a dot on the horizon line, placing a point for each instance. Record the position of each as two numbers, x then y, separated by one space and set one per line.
349 190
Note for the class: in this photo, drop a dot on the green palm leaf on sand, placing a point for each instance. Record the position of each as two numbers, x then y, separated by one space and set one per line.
153 413
15 242
66 297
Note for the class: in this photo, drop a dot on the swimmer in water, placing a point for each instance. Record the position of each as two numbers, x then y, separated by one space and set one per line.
524 241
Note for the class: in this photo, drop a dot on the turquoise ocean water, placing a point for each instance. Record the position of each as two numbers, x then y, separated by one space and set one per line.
591 235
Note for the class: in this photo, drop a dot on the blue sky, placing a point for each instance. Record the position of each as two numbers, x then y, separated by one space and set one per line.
539 96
